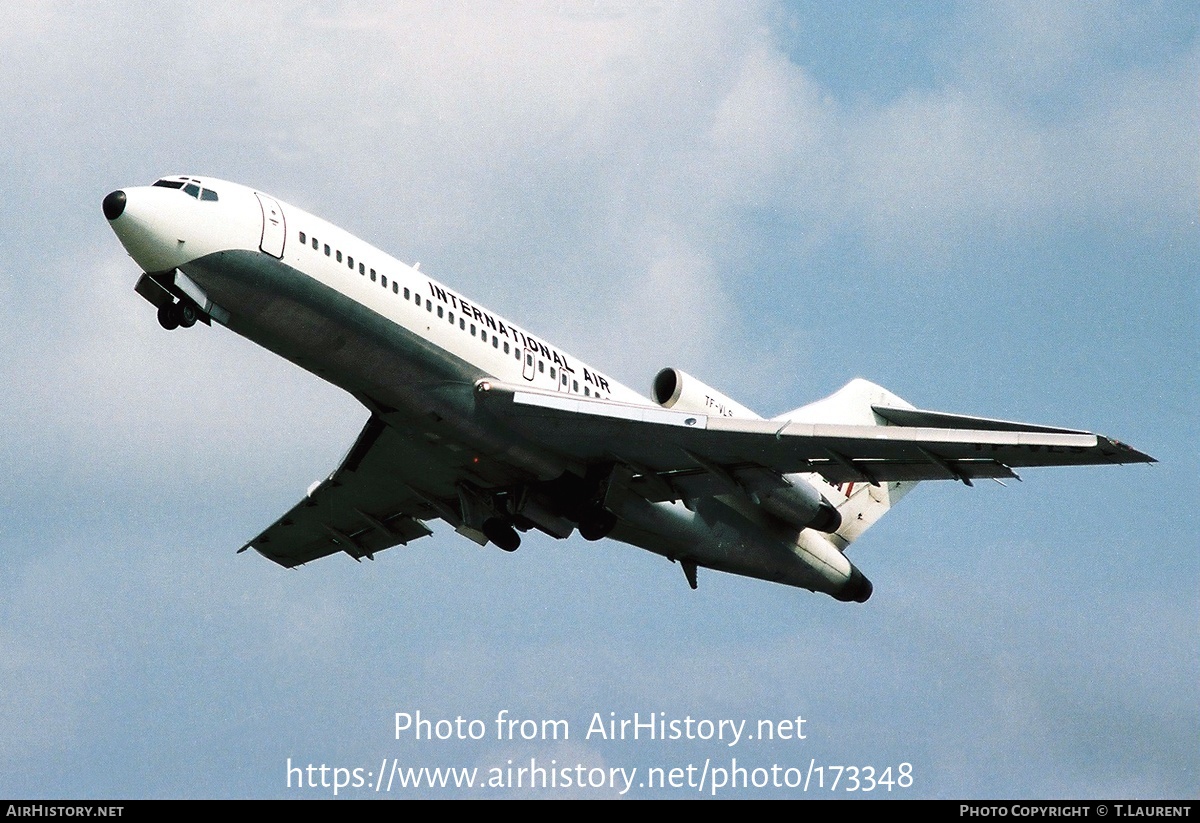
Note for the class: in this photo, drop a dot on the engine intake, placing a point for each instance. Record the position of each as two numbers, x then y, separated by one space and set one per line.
676 389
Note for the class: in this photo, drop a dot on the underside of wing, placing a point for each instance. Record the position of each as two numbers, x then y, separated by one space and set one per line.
392 480
359 509
673 450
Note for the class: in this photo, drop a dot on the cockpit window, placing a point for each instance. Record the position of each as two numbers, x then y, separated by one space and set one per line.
190 185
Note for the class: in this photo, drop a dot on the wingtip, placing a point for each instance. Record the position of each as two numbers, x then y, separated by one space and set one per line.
1139 456
1129 454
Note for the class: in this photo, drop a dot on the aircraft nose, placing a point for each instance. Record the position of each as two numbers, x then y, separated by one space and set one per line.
114 204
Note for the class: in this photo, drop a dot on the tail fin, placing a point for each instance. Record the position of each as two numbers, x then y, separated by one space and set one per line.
859 504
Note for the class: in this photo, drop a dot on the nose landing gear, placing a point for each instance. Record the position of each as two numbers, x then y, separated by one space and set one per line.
174 315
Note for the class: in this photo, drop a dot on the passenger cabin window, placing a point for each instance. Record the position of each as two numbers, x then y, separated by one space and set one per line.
339 255
327 250
303 239
315 244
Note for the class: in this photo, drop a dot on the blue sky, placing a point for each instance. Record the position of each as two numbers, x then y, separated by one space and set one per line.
988 208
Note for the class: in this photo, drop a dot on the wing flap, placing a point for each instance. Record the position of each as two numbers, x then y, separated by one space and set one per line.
327 521
687 483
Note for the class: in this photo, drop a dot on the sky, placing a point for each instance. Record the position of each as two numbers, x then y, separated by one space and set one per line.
989 209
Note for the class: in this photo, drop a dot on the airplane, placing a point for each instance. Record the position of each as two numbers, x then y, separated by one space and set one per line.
478 422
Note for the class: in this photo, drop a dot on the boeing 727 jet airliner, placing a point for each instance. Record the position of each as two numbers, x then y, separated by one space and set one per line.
478 422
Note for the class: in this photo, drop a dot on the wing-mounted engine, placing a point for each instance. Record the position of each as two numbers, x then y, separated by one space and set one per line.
791 499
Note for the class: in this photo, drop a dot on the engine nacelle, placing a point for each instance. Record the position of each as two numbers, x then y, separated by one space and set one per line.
801 505
717 536
797 503
675 389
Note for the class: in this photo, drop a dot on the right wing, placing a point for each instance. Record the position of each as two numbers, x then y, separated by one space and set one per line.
669 448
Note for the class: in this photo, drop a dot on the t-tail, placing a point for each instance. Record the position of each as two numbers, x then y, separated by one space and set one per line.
859 502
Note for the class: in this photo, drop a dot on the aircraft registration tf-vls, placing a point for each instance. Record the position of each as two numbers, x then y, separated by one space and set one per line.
477 422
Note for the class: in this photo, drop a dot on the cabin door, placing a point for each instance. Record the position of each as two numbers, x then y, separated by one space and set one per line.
274 229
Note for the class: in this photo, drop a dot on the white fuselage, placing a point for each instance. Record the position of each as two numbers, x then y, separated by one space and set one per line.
174 232
404 343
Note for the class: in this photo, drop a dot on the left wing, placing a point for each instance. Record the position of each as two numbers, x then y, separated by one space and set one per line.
396 476
676 446
362 508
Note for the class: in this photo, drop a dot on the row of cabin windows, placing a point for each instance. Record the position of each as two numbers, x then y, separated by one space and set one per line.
481 332
337 254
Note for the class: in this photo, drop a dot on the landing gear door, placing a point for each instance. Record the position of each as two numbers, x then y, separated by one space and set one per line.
274 229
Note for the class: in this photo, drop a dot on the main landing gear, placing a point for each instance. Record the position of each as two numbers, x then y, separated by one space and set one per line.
556 507
596 523
174 315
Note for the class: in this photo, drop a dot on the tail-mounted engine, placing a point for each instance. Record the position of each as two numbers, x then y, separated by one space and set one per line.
675 389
